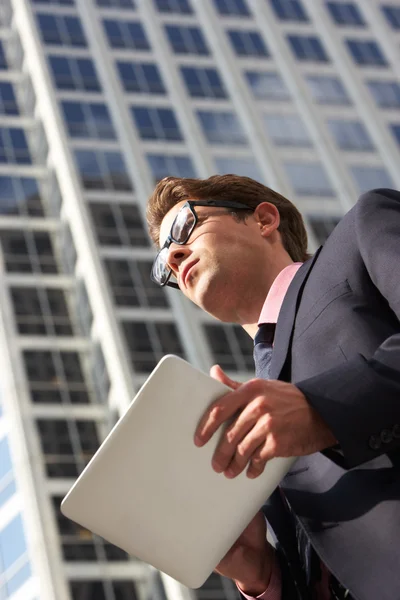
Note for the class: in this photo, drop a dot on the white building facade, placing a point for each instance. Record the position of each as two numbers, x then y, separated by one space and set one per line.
99 99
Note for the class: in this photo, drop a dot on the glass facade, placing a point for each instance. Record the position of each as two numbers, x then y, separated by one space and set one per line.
302 96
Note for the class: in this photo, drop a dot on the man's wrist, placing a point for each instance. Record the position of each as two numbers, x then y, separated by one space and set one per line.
257 587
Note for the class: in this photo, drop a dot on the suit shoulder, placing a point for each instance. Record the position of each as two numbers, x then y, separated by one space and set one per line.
375 199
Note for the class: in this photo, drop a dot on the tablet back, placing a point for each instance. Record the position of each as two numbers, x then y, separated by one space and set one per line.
152 492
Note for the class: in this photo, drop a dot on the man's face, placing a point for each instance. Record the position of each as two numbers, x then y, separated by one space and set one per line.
218 265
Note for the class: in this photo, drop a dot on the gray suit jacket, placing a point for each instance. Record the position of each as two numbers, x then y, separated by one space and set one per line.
338 340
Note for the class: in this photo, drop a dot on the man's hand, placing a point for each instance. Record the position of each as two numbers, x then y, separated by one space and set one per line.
271 418
249 562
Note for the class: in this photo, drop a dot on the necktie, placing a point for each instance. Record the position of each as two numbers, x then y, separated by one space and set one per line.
263 349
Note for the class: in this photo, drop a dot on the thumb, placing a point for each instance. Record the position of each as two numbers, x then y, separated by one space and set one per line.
217 373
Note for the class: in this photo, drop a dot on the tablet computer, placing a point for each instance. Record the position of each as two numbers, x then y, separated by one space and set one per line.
152 492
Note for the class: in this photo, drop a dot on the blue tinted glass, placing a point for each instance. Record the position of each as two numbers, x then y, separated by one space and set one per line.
385 93
49 29
350 135
8 103
75 119
88 75
12 543
239 166
127 73
102 124
396 132
20 152
307 48
144 123
268 86
138 36
232 7
369 178
116 3
327 90
345 13
289 10
8 200
3 60
7 492
366 52
198 40
117 172
202 83
392 14
174 6
114 34
5 458
75 31
177 166
221 128
153 79
89 169
176 39
238 42
62 72
260 48
309 179
15 582
169 124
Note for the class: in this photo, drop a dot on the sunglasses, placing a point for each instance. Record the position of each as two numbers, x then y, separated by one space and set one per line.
181 229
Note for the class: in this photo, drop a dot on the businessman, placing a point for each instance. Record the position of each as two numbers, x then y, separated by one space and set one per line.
327 386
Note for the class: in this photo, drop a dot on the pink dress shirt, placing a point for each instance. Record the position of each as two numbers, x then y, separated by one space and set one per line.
269 314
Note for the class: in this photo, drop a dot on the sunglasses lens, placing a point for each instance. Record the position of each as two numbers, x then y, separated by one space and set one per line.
183 225
160 270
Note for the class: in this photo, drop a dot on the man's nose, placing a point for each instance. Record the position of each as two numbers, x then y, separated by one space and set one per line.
176 255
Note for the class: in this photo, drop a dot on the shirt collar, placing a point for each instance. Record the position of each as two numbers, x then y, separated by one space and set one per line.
276 294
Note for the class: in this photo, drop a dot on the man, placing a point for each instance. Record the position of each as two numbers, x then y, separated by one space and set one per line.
328 391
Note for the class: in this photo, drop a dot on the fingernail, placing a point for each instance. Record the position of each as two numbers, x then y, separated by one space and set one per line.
229 473
198 440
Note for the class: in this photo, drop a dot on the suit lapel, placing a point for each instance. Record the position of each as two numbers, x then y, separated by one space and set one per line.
287 315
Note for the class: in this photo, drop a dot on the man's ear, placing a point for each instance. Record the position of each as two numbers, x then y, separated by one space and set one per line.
267 217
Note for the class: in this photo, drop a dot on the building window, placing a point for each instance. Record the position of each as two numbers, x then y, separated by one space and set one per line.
236 8
267 85
165 165
345 13
186 40
101 590
396 132
366 53
222 128
118 224
392 14
149 341
88 120
15 568
322 227
287 130
370 178
289 10
174 6
142 78
80 544
129 35
7 481
27 251
61 30
230 346
41 311
308 179
103 170
13 146
326 89
244 166
115 3
203 82
55 377
308 48
67 445
20 196
55 2
71 73
131 284
100 377
350 135
83 309
248 43
8 102
386 93
156 123
3 58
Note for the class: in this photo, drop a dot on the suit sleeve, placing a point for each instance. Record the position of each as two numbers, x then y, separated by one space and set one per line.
360 399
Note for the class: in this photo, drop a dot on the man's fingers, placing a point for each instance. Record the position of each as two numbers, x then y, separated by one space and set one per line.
224 409
218 373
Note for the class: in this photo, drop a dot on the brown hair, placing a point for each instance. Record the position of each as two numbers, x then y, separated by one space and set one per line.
171 190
